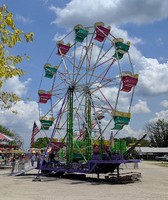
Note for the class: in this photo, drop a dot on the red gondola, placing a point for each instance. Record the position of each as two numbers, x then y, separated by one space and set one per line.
63 48
44 96
129 82
101 31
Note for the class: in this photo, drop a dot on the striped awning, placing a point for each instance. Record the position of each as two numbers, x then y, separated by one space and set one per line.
5 138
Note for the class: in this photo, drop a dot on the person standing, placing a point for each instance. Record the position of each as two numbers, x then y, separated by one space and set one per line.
13 163
33 158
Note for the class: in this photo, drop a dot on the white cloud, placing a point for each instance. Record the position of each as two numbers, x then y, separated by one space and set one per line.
164 103
118 32
22 122
163 115
129 132
16 86
140 107
117 12
152 80
23 19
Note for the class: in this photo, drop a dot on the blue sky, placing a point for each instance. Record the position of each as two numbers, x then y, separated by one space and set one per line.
144 23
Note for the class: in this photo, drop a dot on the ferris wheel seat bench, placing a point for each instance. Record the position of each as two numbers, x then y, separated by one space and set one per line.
101 31
50 71
128 82
120 48
121 119
46 123
81 33
62 48
44 96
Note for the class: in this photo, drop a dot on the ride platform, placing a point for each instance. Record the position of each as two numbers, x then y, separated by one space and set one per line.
96 165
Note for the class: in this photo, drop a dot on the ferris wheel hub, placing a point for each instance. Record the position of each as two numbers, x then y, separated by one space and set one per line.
86 89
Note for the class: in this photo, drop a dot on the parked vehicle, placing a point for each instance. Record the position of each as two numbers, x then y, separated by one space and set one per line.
162 158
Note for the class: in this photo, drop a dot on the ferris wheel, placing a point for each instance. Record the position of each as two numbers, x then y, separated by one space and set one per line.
86 89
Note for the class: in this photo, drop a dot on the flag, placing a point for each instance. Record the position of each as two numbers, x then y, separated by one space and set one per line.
34 132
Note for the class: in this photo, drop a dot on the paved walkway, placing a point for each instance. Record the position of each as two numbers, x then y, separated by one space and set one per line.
153 186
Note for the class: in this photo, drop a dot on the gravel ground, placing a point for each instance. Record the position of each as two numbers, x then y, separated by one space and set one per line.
153 185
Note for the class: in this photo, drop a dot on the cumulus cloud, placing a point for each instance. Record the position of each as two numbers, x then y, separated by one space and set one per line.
163 115
116 12
118 32
16 86
140 107
27 112
22 122
129 132
152 80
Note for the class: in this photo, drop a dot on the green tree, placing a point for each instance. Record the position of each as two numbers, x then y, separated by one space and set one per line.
157 133
6 131
41 142
132 140
10 35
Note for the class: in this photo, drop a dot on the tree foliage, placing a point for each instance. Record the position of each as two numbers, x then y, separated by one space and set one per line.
6 131
41 142
158 133
132 140
10 35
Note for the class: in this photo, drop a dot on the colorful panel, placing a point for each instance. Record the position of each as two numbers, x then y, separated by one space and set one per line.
81 34
121 120
121 114
44 97
101 33
63 49
50 71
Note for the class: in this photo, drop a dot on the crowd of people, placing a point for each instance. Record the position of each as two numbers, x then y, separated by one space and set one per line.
17 162
5 159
